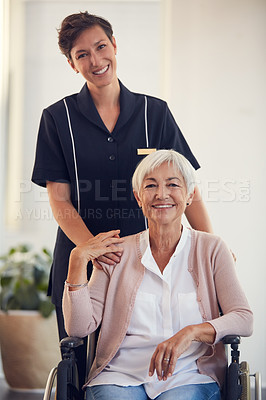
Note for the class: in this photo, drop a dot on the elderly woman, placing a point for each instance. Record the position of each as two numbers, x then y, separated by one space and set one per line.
159 307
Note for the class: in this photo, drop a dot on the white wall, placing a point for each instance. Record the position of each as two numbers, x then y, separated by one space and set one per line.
210 67
217 70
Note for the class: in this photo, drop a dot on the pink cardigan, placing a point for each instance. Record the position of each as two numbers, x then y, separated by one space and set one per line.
110 296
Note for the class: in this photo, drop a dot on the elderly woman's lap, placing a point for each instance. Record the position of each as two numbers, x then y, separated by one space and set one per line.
208 391
114 392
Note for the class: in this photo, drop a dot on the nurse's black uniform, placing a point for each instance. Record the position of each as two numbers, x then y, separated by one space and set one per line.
74 146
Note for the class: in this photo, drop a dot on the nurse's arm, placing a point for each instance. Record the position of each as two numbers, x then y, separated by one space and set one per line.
197 214
68 218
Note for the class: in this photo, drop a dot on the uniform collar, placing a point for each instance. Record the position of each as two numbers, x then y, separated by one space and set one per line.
88 109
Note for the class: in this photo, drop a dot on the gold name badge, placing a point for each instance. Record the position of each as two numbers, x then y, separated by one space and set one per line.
145 152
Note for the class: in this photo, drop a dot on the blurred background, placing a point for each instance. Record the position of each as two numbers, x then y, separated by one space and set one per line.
206 58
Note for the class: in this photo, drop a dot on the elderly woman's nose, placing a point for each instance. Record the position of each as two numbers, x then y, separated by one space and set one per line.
162 191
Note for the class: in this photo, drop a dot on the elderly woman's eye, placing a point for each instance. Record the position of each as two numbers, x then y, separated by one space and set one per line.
173 185
151 185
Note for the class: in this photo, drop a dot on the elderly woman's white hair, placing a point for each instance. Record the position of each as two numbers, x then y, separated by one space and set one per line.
155 159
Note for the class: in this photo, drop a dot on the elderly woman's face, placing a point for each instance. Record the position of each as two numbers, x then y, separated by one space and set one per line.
163 195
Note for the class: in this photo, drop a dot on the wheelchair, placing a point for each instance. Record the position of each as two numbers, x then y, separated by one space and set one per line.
236 386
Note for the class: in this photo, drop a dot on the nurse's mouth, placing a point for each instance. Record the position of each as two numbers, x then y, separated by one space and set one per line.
101 71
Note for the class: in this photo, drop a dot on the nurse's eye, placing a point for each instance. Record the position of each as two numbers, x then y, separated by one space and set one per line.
82 55
102 46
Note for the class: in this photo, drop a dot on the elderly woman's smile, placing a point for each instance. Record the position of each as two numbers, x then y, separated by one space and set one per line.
161 206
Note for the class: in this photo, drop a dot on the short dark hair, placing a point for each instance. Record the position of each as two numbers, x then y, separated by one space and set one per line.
73 25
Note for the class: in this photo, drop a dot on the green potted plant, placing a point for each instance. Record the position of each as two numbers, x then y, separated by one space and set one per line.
28 333
24 278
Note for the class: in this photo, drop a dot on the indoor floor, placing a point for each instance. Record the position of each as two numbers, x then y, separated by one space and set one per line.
6 394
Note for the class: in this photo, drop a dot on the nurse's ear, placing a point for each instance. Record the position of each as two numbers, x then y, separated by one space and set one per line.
114 44
72 65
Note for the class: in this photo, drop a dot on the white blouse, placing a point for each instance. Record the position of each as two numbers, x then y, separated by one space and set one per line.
165 303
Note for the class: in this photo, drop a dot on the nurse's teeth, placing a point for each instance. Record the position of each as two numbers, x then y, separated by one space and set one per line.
102 71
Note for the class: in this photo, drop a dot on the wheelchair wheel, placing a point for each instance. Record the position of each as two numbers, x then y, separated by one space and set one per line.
258 389
245 380
48 393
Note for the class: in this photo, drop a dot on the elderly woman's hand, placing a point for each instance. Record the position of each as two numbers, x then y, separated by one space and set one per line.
165 357
102 244
167 353
109 258
99 245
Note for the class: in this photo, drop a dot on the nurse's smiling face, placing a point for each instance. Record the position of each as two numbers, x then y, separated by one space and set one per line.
93 55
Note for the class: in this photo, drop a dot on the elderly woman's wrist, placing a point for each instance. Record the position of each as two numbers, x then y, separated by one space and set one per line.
75 286
78 256
204 333
76 278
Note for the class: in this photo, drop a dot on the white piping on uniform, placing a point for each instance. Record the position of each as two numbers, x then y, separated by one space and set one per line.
146 122
74 154
147 140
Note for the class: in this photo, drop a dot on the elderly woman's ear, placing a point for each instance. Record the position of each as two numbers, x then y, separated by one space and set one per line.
137 198
190 198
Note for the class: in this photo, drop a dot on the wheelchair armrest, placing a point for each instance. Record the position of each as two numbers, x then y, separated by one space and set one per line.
71 342
231 339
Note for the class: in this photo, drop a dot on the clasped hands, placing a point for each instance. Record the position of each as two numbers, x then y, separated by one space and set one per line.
104 247
113 256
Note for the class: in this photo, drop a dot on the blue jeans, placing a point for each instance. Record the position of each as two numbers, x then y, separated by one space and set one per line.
208 391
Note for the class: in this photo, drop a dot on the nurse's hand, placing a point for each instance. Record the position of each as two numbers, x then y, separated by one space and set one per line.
110 259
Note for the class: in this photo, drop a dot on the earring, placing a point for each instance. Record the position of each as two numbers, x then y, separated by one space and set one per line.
187 204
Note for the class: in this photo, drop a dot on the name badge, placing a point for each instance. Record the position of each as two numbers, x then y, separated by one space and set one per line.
145 151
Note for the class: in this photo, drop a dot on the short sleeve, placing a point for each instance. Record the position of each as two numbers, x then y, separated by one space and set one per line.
174 139
50 164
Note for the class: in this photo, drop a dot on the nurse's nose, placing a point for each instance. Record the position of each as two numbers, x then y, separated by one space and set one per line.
94 58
